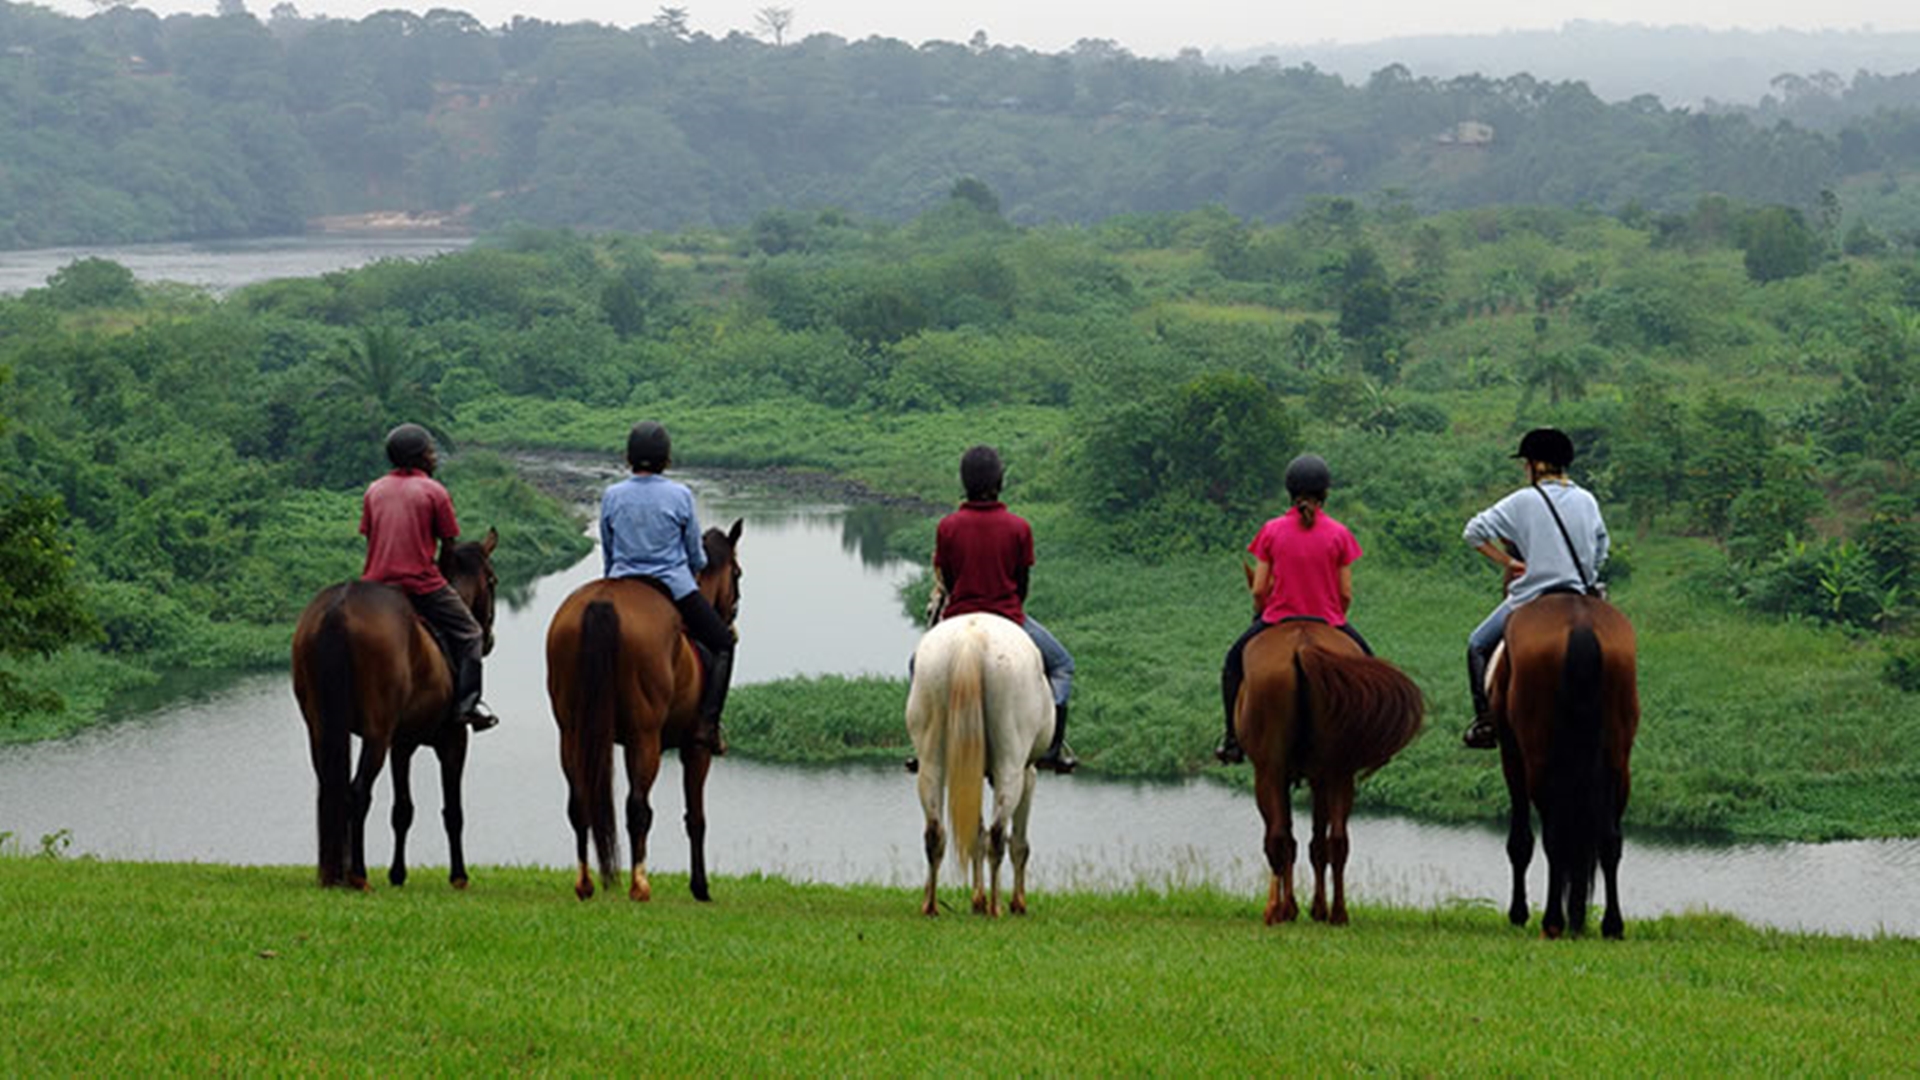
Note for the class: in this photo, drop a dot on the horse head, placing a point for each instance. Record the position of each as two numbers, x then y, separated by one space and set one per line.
469 569
720 581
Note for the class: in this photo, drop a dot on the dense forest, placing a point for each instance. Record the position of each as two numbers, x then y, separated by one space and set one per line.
126 126
1743 384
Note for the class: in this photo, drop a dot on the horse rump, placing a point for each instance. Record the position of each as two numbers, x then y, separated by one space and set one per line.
966 743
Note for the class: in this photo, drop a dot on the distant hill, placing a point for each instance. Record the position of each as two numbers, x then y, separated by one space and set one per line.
1681 65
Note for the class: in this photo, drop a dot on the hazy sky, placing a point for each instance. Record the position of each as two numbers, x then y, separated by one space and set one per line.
1148 28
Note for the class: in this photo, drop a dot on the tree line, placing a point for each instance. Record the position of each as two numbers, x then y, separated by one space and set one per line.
128 126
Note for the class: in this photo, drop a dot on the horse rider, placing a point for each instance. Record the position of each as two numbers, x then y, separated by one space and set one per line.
402 514
1303 569
982 556
1556 528
649 530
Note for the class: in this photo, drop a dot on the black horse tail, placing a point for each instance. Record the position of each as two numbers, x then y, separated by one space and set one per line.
593 707
1580 786
331 668
1379 709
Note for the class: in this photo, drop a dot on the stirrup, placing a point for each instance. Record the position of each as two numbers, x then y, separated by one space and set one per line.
709 735
913 765
480 719
1062 761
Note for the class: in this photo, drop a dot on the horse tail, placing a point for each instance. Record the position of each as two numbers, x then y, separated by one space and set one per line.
331 667
1579 785
593 710
966 751
1376 707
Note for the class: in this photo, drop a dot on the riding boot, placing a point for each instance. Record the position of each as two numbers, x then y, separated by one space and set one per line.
1059 758
466 696
1480 735
1229 751
719 675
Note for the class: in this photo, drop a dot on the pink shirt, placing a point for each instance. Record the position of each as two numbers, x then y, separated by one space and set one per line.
1306 566
402 515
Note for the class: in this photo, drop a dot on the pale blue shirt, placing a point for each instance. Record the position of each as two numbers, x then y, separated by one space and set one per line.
1522 517
648 528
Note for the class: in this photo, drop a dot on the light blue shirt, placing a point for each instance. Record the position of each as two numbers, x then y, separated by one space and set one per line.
1522 517
648 528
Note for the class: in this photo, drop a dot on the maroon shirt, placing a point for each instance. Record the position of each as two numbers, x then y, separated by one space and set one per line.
981 548
402 515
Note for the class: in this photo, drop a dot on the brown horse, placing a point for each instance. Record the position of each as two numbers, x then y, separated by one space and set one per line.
1566 703
364 664
619 670
1314 707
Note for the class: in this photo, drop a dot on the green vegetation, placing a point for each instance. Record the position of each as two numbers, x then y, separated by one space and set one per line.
142 969
1751 435
126 126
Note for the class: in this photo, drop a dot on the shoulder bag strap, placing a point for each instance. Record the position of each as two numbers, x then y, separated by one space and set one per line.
1585 582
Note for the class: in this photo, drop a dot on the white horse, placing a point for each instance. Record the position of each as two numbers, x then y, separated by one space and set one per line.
979 709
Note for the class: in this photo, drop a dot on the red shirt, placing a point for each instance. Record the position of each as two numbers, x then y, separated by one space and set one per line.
402 515
981 548
1306 566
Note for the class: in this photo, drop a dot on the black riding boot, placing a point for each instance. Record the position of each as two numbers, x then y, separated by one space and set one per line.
466 696
1229 751
714 699
1480 734
1059 758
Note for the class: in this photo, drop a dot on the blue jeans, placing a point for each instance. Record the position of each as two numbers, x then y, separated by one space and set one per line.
1058 662
1488 634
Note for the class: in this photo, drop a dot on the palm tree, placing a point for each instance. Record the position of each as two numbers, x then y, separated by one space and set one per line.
386 379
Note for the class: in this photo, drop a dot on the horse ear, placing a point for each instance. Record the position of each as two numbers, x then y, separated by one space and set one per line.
491 541
733 534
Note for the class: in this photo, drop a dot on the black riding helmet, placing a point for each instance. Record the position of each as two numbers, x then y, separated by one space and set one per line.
408 446
1550 446
649 447
1308 475
981 473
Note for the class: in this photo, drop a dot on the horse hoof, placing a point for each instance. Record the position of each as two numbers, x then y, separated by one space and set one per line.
1318 913
930 910
640 894
701 894
397 877
1338 918
1550 933
1517 916
1017 907
459 883
1271 916
360 884
584 892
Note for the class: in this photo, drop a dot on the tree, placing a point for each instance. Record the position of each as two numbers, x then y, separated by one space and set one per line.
41 609
1778 244
773 22
227 8
90 283
671 22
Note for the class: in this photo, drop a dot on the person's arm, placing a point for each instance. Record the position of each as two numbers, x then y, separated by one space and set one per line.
1512 567
1346 588
1262 583
690 536
606 535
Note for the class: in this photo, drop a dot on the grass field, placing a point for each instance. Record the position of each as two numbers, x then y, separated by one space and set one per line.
138 969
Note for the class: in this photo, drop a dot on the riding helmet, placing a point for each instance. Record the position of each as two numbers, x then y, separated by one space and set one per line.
1550 446
981 472
649 446
1308 475
408 445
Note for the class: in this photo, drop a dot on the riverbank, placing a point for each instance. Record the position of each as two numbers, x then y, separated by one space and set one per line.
129 968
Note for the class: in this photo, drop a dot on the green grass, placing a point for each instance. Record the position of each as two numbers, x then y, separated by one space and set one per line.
137 969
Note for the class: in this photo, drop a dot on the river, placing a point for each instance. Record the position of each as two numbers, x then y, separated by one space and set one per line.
221 266
223 776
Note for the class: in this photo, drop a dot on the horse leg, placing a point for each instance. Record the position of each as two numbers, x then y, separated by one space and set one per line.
1317 850
996 854
643 765
1553 921
1339 809
402 812
373 757
694 763
931 787
1519 832
577 816
1021 849
1611 925
452 752
1280 848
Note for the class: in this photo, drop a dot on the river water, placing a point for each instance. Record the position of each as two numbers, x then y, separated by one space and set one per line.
220 266
223 776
